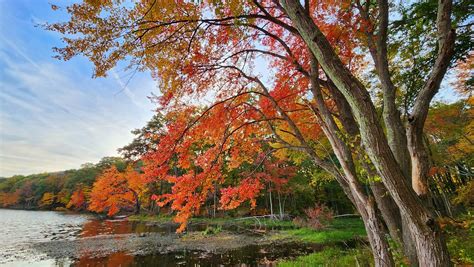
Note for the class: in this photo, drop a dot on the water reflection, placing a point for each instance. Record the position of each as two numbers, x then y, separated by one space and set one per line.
97 227
116 259
253 255
117 227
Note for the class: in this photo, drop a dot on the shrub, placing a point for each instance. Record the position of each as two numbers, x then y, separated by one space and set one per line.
317 217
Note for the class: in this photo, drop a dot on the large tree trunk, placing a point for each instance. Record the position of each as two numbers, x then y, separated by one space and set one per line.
376 234
388 208
396 224
386 205
431 248
364 204
417 118
396 134
349 182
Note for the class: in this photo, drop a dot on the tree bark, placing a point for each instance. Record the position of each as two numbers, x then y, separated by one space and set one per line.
385 203
417 118
377 42
389 210
376 234
364 204
137 202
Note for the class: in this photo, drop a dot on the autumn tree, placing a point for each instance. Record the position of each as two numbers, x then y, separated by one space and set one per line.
450 133
464 82
78 199
8 199
47 200
313 91
114 191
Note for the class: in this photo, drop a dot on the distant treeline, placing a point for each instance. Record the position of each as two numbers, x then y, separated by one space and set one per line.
53 190
115 185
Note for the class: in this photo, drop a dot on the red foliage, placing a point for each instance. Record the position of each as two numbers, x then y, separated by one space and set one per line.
196 58
317 217
114 190
78 200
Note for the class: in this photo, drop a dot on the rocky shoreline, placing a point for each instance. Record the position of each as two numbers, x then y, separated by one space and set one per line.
146 243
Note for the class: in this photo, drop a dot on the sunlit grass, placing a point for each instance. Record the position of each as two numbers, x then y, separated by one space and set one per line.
343 229
332 256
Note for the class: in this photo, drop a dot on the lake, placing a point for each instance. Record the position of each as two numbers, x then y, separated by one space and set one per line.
48 238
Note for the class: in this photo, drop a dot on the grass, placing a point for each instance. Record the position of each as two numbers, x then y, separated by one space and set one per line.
264 222
211 230
332 256
342 229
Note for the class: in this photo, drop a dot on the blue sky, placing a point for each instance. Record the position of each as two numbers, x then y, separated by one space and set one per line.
53 115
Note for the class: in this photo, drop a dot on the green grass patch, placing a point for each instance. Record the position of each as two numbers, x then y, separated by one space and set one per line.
460 239
332 256
342 229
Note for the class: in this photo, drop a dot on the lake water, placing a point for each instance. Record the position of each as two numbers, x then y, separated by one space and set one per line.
47 238
19 229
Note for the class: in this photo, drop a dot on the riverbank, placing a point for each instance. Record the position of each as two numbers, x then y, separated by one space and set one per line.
342 243
81 240
231 240
149 243
459 233
339 230
47 238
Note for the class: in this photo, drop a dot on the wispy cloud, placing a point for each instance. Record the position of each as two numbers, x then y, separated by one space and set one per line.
53 116
124 88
